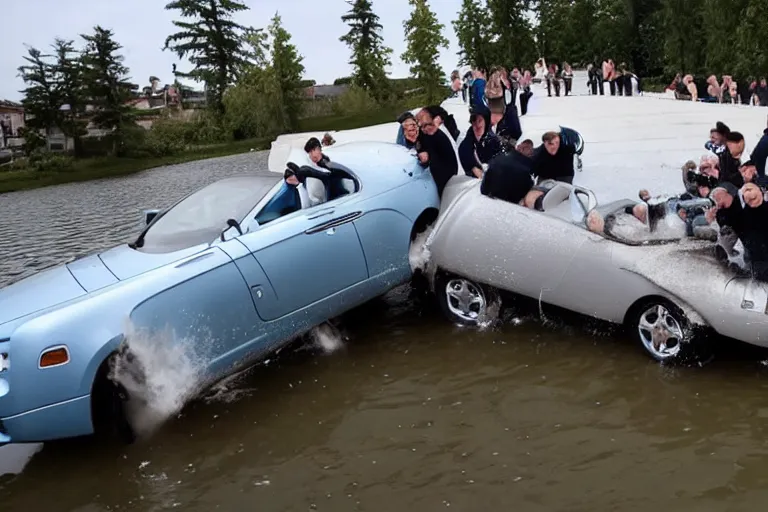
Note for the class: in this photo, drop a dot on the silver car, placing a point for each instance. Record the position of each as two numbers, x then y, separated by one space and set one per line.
662 285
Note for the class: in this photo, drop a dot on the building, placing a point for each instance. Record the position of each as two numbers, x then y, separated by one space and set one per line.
315 92
11 120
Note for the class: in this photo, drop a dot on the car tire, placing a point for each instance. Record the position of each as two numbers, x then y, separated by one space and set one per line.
663 331
466 302
110 406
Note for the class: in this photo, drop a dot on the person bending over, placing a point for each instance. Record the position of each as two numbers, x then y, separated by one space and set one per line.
553 160
443 160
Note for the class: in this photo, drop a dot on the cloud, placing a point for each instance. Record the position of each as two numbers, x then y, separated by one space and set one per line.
141 26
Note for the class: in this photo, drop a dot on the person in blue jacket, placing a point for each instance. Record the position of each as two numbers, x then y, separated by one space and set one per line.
477 96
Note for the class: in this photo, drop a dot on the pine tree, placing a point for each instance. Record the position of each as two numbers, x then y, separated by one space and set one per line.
41 102
68 76
424 35
471 31
515 45
213 43
106 84
288 70
369 55
751 41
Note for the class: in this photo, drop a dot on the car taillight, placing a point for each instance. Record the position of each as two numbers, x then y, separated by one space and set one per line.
5 362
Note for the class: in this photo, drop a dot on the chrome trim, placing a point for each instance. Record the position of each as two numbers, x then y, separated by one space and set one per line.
344 219
51 349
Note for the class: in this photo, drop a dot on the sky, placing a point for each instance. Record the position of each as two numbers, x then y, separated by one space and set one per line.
141 27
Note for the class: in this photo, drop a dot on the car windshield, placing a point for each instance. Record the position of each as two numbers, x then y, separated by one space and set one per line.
200 217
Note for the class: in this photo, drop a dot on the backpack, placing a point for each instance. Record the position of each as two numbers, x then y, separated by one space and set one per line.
493 88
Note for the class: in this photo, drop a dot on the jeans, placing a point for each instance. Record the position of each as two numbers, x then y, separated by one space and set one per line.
554 82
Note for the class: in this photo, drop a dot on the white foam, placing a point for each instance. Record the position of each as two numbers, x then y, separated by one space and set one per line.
418 253
327 338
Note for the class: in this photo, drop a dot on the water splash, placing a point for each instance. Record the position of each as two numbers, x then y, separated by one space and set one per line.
327 338
161 372
418 253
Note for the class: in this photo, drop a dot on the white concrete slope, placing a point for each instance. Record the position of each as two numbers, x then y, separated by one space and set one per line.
630 142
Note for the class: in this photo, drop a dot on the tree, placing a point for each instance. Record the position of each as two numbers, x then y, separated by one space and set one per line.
68 77
213 43
424 35
514 44
288 70
751 41
41 103
106 85
369 55
471 31
720 36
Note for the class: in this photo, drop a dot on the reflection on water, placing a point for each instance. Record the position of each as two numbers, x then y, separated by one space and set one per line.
412 414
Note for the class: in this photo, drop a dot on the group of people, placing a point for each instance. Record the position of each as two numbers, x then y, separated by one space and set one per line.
490 150
725 200
727 91
621 81
480 88
553 76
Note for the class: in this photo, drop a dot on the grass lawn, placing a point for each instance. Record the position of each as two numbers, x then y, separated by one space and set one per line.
109 167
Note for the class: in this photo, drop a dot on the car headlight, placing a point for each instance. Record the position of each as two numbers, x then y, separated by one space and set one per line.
5 362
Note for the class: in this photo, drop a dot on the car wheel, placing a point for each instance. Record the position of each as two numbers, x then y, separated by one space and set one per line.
120 419
663 331
465 302
110 401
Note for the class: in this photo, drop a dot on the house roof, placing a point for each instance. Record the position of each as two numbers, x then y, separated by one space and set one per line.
11 105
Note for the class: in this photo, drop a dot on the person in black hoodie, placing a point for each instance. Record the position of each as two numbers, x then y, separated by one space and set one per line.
443 164
480 145
754 230
505 122
730 159
553 160
760 153
508 178
441 116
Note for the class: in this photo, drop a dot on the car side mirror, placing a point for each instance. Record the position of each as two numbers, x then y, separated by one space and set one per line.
149 216
229 232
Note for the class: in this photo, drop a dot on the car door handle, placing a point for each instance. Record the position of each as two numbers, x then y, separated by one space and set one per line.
320 213
333 223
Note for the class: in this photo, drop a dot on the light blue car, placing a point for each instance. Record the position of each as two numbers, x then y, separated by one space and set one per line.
238 267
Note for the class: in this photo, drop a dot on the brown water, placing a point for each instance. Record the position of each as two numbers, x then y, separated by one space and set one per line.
410 414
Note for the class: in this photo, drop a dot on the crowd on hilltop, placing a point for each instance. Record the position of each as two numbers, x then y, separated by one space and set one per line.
619 80
754 92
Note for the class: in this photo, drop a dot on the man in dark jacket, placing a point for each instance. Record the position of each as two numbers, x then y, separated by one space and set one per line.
730 159
505 122
443 164
480 144
553 160
760 153
508 178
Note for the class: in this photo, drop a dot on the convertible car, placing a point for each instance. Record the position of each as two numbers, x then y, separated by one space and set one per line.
237 268
663 286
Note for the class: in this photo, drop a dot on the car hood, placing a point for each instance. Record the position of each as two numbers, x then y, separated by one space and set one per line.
38 292
124 262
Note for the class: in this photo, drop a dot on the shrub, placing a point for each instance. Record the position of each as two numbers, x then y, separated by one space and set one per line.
44 161
354 100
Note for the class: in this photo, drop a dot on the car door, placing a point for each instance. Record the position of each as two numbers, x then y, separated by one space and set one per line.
515 248
309 256
203 306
